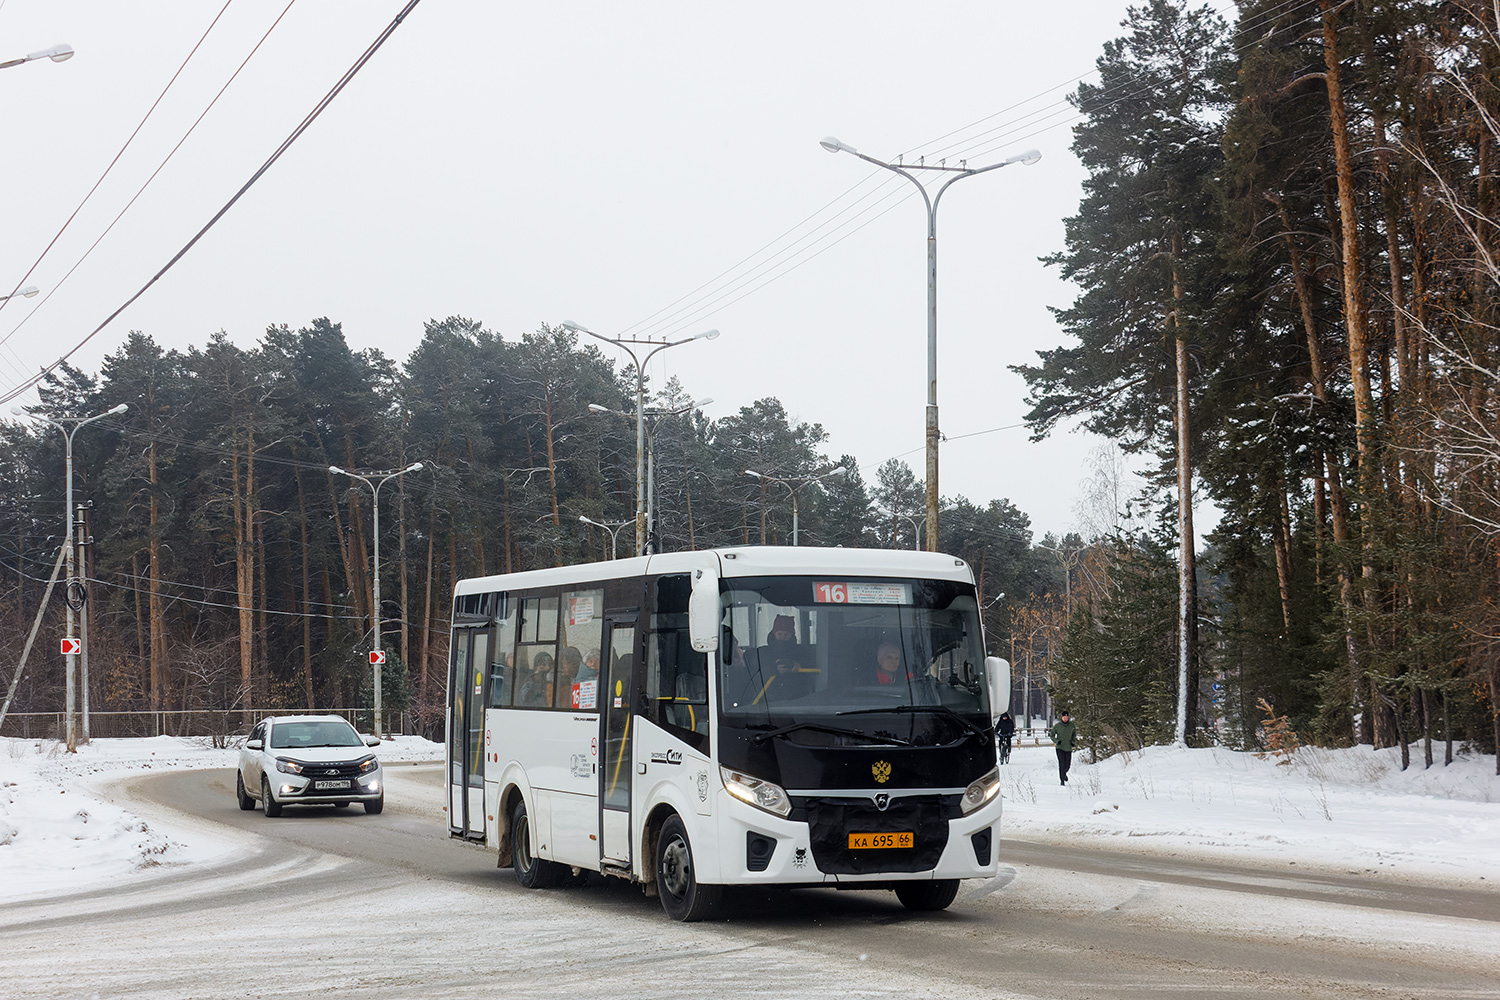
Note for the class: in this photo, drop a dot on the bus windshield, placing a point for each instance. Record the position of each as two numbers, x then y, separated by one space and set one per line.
855 660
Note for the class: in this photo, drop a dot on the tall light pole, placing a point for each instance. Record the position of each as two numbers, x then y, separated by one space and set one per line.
57 53
931 201
613 529
795 485
657 346
375 480
28 292
69 426
656 413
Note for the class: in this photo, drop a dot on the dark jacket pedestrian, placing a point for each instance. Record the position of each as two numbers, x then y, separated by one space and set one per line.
1065 738
1006 726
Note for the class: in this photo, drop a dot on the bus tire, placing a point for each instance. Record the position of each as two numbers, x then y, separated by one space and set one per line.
928 896
682 895
531 871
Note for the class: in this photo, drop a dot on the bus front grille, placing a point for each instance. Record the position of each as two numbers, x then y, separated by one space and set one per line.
831 821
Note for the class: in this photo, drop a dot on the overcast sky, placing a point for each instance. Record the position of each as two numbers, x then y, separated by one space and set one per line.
642 168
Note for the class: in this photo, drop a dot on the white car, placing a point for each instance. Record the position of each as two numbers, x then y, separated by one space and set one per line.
291 760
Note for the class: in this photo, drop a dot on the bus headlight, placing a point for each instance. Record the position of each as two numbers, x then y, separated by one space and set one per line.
753 791
980 792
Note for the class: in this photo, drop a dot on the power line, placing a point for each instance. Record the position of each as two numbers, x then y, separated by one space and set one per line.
286 144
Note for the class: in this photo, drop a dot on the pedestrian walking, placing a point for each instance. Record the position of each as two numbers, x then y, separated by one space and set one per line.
1065 738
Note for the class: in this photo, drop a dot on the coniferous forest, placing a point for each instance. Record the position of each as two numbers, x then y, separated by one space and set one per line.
1286 260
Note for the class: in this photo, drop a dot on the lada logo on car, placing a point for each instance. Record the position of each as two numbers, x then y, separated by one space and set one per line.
882 771
332 770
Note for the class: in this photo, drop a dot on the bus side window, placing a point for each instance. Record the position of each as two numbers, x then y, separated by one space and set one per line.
676 674
502 660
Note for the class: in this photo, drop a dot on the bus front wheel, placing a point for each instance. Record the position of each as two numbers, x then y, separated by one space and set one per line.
682 895
928 896
531 871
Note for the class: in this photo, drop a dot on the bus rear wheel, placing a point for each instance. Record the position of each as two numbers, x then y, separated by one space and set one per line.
531 871
682 895
928 896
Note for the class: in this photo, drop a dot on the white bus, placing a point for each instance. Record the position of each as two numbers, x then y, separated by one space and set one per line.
751 716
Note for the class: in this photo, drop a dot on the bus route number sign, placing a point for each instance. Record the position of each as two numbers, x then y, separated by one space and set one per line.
856 592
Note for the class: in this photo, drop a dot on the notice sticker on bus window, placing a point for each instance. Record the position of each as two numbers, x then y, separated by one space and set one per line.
586 695
856 592
580 610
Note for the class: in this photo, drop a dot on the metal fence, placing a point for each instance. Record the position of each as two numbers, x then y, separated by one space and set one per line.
116 725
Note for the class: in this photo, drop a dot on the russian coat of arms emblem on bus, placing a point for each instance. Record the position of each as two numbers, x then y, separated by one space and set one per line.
882 771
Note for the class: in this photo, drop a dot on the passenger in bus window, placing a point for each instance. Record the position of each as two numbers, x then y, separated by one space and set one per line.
590 669
536 690
569 663
784 655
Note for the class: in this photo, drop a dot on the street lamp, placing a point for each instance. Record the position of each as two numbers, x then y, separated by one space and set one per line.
960 172
657 346
656 413
57 53
795 485
613 529
69 426
28 292
375 480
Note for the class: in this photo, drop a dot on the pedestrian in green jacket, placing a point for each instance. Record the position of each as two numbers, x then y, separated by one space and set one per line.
1065 737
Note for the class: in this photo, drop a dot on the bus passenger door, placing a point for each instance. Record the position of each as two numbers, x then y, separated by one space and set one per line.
616 701
466 676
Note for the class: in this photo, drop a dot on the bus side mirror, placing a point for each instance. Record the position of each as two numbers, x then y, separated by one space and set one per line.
997 672
703 612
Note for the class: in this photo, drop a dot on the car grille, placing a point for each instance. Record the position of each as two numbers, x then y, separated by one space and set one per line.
830 821
322 772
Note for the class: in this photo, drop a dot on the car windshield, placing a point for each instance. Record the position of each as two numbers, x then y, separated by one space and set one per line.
318 733
886 658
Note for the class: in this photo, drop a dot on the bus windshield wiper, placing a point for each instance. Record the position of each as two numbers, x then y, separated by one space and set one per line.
834 730
907 709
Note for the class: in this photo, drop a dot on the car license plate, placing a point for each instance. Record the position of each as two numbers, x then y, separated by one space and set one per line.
868 841
322 785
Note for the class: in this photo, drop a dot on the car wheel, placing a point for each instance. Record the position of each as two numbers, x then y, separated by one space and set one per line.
531 871
374 807
682 895
268 803
242 796
928 896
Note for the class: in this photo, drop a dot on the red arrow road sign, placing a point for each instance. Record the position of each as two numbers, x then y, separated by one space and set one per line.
377 656
72 647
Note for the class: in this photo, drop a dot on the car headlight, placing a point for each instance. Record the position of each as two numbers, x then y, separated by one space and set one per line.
753 791
288 766
369 764
980 792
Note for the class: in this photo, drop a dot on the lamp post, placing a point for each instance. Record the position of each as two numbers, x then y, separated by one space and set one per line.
959 173
28 292
656 414
69 425
795 485
613 529
57 53
375 480
657 346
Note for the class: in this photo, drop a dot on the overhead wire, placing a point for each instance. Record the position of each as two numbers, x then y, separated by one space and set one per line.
131 138
196 122
286 144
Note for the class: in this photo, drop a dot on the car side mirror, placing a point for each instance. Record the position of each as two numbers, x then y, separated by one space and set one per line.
997 672
255 745
372 741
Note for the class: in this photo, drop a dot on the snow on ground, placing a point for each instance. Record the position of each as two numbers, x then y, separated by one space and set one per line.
57 832
1344 809
1351 809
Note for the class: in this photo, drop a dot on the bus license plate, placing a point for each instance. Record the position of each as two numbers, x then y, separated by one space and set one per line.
321 785
868 841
